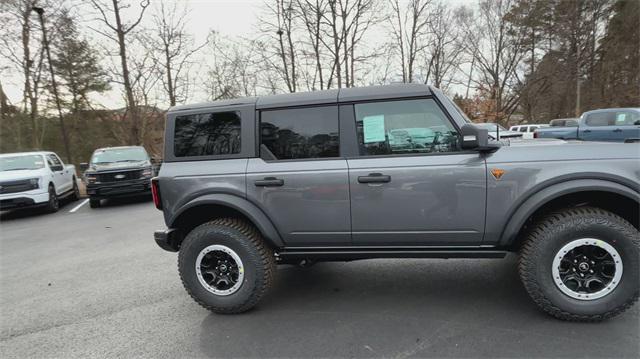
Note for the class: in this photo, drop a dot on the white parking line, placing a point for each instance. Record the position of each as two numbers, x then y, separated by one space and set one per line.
78 206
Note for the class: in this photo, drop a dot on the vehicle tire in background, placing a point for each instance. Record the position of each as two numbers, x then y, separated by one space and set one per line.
582 264
226 266
94 203
76 191
53 204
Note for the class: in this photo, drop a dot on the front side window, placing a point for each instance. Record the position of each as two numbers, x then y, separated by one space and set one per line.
300 133
207 134
54 162
404 127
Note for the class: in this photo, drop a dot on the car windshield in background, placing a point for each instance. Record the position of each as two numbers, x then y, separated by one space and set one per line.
490 126
25 162
134 154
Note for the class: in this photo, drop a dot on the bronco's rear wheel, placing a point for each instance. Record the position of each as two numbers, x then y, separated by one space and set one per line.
582 264
226 266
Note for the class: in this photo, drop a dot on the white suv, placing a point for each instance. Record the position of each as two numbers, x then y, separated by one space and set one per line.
35 179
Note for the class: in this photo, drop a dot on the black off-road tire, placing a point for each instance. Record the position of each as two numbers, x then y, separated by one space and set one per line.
555 230
94 203
241 237
53 205
76 191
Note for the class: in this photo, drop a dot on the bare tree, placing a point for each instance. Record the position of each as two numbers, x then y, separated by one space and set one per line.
497 51
174 48
444 51
409 27
27 56
312 13
119 30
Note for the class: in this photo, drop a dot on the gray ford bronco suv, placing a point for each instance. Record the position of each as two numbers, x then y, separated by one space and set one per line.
392 171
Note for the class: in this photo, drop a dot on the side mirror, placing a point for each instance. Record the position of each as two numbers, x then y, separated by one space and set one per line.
84 166
477 139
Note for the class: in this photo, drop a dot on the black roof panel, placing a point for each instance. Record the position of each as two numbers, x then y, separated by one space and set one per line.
318 97
298 99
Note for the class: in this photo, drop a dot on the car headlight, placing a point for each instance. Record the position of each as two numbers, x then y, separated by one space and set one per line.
91 178
147 173
34 182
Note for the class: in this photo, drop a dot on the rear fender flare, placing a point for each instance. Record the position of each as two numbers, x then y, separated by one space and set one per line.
248 209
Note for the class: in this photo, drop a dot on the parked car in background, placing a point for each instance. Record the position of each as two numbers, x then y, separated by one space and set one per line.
117 172
527 130
497 132
564 122
35 179
612 125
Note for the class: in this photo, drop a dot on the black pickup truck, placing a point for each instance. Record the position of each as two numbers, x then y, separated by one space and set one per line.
117 172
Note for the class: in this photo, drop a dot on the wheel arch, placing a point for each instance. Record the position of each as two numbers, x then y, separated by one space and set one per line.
212 206
608 195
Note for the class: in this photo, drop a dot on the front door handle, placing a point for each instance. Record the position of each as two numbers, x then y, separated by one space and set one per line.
374 178
586 131
269 182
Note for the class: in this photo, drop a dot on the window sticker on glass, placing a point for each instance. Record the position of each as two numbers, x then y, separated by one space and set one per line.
373 127
621 118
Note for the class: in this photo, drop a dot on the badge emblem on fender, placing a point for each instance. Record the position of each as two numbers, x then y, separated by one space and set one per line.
497 173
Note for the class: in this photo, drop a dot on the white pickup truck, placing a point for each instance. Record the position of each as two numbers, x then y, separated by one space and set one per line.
35 179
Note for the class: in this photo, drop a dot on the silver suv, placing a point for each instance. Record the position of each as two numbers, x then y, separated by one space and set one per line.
391 172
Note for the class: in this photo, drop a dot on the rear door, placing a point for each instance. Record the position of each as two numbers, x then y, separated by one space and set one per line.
300 181
410 184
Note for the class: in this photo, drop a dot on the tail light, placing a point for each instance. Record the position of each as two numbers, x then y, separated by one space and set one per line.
155 192
535 134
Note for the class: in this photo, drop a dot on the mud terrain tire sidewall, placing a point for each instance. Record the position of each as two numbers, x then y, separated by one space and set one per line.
245 240
550 234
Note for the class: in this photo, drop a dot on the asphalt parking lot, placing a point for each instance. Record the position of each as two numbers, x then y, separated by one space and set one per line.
92 283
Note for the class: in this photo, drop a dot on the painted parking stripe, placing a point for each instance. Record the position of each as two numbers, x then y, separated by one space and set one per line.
78 206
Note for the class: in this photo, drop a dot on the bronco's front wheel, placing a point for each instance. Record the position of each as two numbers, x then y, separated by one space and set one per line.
582 264
226 266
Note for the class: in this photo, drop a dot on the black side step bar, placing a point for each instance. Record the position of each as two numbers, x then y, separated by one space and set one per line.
351 254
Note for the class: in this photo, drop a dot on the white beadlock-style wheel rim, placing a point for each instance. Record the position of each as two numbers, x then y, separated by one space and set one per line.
219 270
587 269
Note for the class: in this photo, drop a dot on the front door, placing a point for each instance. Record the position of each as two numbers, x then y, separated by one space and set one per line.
58 170
300 181
410 184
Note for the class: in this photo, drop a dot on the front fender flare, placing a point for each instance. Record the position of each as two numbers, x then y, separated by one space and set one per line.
248 209
542 197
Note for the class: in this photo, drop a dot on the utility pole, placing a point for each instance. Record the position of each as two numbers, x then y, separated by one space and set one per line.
40 12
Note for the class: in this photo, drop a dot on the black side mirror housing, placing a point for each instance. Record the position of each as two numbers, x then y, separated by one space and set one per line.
475 138
84 166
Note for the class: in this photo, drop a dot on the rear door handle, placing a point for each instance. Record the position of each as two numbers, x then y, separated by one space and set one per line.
617 130
269 182
374 178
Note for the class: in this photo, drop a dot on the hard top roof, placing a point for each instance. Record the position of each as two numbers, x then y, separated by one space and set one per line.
25 153
318 97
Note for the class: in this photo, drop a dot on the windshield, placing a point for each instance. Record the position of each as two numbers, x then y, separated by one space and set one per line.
132 154
490 126
24 162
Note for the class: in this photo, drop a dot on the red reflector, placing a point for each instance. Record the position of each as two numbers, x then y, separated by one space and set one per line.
155 192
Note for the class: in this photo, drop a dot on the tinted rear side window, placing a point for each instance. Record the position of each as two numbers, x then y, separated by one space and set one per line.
310 132
207 134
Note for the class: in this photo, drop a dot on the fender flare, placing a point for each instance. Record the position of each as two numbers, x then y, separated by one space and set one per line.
248 209
543 196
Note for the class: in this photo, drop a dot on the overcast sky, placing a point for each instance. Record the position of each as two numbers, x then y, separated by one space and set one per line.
228 17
